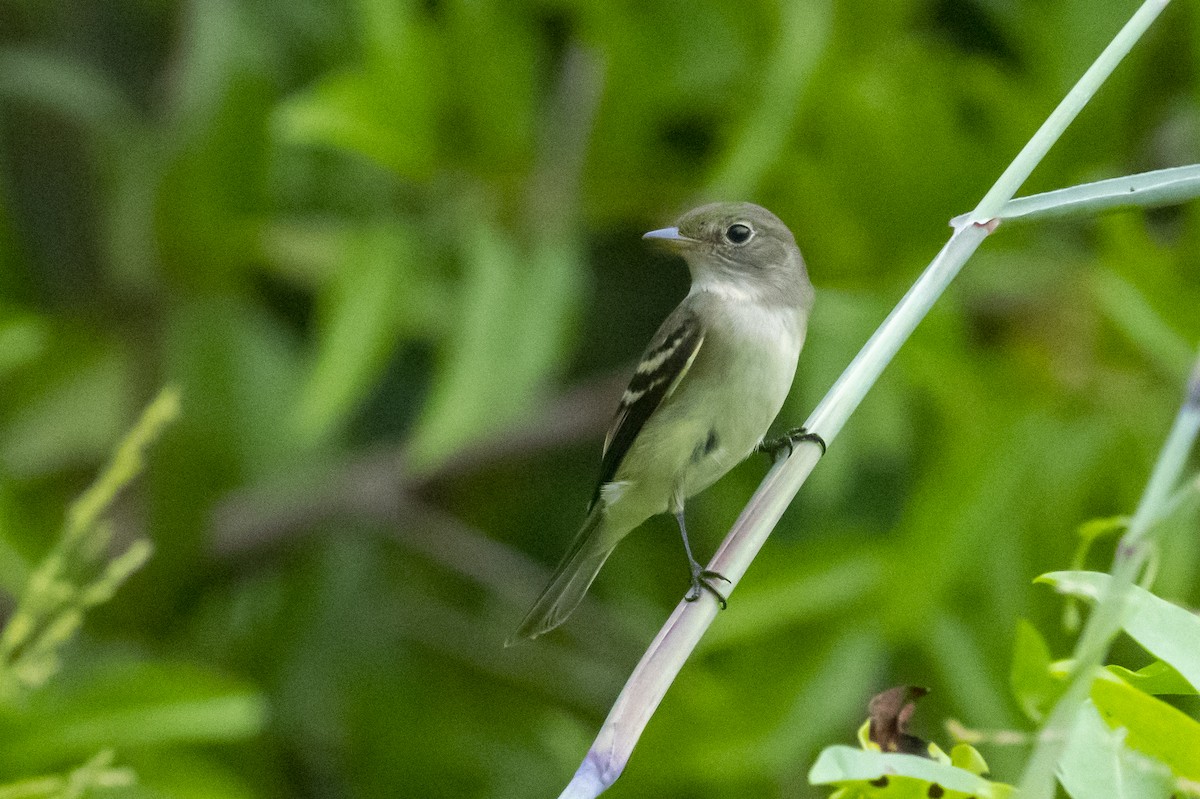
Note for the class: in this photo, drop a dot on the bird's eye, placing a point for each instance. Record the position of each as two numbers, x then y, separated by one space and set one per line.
738 233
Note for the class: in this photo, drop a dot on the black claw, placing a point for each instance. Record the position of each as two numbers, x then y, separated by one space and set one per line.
709 573
789 440
700 580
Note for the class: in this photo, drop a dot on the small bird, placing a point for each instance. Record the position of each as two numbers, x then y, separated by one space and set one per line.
707 388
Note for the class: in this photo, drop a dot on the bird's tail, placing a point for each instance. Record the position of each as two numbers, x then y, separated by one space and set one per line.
592 546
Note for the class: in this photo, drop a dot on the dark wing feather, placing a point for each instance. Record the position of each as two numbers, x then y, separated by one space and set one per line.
663 365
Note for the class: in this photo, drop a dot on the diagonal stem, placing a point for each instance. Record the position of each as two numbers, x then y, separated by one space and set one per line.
1036 148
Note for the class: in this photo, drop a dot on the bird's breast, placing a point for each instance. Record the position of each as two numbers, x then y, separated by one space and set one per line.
721 410
754 373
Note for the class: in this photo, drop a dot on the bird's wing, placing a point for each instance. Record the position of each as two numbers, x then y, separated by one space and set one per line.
661 369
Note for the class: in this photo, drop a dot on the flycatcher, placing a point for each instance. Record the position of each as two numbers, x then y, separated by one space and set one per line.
707 388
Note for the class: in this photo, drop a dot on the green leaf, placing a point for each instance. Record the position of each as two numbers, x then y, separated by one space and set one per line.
1089 532
1158 678
802 35
363 317
967 757
1168 631
67 87
1097 765
189 774
907 775
385 108
508 338
219 51
96 774
347 111
492 74
1093 530
74 421
238 368
128 705
1130 312
1030 676
23 338
1153 727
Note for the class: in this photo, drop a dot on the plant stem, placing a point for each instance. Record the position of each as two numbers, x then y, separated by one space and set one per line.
1035 150
1144 190
1107 617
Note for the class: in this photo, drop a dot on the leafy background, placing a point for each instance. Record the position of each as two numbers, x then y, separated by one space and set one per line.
389 253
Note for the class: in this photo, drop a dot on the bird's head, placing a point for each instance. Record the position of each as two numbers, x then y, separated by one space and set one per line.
739 246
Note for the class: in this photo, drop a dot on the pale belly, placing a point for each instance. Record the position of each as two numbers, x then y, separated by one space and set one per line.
715 418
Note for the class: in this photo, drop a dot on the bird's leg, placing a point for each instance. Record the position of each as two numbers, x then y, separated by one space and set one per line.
788 441
700 576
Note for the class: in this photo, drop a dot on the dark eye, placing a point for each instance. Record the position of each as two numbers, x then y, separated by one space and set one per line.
739 233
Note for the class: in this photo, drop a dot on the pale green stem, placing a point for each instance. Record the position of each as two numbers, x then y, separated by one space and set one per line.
1107 617
1144 190
1035 150
678 638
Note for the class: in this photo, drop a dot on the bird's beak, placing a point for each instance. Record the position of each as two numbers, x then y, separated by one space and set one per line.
670 234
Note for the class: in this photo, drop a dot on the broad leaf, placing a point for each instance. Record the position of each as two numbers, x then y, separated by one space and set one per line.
863 773
1167 630
1030 678
1152 726
1158 678
1097 765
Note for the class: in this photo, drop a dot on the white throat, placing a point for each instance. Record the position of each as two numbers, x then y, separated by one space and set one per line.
724 289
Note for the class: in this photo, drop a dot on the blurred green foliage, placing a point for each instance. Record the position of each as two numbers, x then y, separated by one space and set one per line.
77 575
389 252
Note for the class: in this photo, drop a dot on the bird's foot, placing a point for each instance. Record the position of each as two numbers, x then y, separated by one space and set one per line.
701 580
788 441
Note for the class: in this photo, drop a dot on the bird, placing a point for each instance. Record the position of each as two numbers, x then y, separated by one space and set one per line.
706 390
